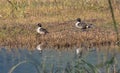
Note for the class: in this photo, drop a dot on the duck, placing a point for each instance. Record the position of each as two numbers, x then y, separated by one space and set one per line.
82 25
41 30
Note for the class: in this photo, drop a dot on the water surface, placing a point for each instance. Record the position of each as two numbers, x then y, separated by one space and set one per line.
51 60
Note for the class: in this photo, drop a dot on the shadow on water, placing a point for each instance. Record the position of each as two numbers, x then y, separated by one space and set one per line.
56 61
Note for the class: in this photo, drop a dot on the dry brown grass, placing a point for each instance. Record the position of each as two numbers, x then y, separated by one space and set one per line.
61 35
18 27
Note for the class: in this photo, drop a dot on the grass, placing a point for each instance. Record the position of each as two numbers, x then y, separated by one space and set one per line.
19 22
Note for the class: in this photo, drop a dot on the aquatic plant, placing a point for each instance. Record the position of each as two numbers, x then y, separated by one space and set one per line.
81 66
22 62
77 65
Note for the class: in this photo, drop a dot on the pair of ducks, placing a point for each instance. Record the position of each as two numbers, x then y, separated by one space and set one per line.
79 24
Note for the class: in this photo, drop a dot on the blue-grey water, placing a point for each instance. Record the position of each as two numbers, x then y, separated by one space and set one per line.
50 60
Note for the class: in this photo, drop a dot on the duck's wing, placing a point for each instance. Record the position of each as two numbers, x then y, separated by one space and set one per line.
43 30
83 24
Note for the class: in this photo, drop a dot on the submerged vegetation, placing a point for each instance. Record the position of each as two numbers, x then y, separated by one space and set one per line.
104 64
19 18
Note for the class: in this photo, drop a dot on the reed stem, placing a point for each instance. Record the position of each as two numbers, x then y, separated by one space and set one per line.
113 18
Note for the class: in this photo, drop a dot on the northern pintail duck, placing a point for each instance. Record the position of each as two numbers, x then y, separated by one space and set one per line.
82 25
41 30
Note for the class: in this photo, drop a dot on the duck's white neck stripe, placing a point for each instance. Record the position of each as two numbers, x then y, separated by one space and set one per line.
77 25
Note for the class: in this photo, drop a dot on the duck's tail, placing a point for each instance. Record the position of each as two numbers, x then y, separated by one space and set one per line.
89 26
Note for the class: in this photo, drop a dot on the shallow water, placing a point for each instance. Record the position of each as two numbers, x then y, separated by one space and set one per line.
50 60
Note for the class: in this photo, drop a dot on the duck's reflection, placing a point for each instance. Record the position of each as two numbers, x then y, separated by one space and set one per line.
81 51
40 47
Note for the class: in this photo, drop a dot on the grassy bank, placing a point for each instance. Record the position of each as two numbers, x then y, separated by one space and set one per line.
18 22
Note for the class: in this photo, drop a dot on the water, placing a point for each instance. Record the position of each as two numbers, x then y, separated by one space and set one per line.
50 60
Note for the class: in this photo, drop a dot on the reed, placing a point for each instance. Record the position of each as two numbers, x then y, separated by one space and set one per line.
23 62
114 21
